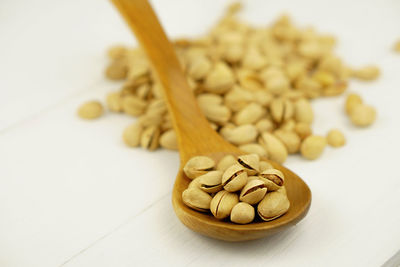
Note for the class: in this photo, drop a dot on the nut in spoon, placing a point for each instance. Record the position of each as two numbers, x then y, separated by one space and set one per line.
196 137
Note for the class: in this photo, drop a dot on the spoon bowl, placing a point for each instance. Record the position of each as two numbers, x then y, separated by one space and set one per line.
196 137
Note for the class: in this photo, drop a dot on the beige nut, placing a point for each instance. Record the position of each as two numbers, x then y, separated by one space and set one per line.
303 111
133 105
114 101
352 101
226 162
262 97
168 140
290 139
265 165
272 178
211 182
335 138
265 125
367 73
313 146
237 98
234 178
209 99
249 114
216 113
363 115
254 149
303 130
150 138
90 110
195 183
275 148
199 67
274 205
197 166
220 79
196 199
250 162
222 203
240 135
117 70
281 110
253 192
242 213
132 134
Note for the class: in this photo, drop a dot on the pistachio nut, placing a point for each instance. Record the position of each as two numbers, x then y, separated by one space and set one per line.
275 148
352 101
168 140
196 199
216 113
90 110
272 178
219 79
265 125
132 134
237 98
303 130
222 203
240 135
133 105
211 182
312 147
366 73
253 192
274 205
303 111
335 138
197 166
265 165
209 99
281 110
114 101
194 183
226 162
262 97
150 137
254 149
242 213
234 178
199 67
249 114
117 70
363 115
250 162
290 139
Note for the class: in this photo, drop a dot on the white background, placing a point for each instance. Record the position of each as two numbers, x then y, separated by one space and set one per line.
72 194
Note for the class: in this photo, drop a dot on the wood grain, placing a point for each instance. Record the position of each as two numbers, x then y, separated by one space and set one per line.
196 137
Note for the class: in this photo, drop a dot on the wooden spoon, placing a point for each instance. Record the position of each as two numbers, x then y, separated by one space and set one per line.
196 137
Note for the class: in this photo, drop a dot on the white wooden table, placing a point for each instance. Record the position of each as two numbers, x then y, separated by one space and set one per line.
71 194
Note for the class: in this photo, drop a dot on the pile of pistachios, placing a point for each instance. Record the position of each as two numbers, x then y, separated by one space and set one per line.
253 84
233 187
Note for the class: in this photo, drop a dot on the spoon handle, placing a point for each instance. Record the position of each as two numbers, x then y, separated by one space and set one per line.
192 128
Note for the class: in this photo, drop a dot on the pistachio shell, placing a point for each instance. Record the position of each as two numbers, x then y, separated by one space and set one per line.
132 134
197 166
211 182
254 149
234 178
250 162
219 79
272 178
222 203
226 162
290 139
276 149
281 110
150 138
303 111
265 165
274 205
168 140
196 199
253 192
90 110
240 135
313 146
249 114
242 213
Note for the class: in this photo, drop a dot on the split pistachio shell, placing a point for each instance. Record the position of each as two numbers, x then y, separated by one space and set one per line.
211 182
168 140
194 183
265 165
196 199
150 138
133 105
303 111
234 178
226 162
313 146
275 148
281 110
274 205
197 166
253 192
90 110
254 149
222 203
250 163
290 139
272 178
335 138
240 135
363 115
132 134
242 213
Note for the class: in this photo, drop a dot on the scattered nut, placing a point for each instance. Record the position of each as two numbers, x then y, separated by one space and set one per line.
335 138
90 110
